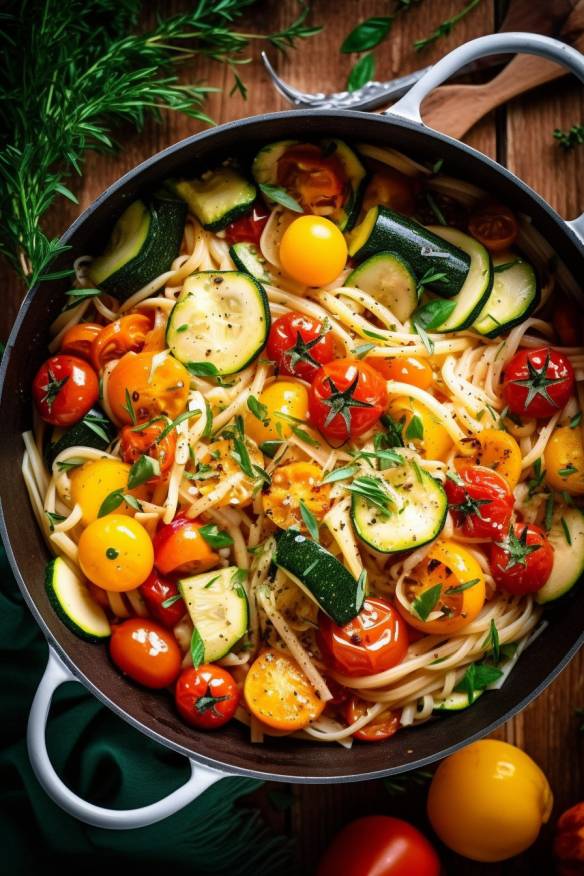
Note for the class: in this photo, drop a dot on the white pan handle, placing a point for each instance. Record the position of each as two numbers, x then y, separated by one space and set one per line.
56 674
494 44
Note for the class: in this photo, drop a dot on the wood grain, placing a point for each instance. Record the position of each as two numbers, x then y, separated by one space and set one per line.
519 135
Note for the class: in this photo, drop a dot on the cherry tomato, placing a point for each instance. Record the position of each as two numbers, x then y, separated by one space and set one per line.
537 383
390 188
292 484
115 552
569 842
480 501
372 642
206 697
299 346
408 369
78 339
495 226
152 391
64 390
278 692
521 561
158 589
386 724
286 397
179 547
346 398
497 450
123 335
567 321
146 652
420 427
316 180
563 460
249 228
313 250
379 845
134 444
93 482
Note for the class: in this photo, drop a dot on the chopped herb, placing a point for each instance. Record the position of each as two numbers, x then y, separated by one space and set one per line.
499 268
339 474
549 512
304 436
477 677
537 479
576 420
361 351
259 410
431 316
53 519
492 641
281 196
373 491
415 429
115 499
96 424
237 580
460 588
570 469
426 602
214 536
73 462
240 453
143 470
76 296
143 426
437 166
186 415
128 406
211 581
270 448
182 328
435 209
360 590
171 600
374 335
201 369
566 529
417 471
393 436
197 648
310 521
568 499
455 478
208 430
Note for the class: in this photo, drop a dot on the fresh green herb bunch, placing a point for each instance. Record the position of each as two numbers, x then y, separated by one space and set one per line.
74 70
573 137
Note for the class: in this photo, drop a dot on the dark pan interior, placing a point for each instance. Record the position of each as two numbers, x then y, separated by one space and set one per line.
151 712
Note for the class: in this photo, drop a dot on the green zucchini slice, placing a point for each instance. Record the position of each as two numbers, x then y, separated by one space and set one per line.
456 701
390 280
73 602
320 575
514 296
420 518
88 432
217 605
218 198
249 259
382 230
477 286
568 567
221 318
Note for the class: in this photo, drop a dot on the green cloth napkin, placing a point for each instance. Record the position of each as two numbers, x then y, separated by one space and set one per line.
108 762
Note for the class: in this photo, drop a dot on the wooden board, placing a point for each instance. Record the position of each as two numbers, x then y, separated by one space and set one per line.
519 136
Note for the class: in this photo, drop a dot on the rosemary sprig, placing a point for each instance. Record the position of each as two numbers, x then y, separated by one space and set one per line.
445 27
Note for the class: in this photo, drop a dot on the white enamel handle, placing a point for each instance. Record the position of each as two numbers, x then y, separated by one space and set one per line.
494 44
56 674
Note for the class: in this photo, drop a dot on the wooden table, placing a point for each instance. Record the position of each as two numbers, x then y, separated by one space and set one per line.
519 136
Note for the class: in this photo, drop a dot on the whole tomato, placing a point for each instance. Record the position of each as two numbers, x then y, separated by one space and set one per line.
299 345
64 389
380 728
379 845
146 652
180 548
346 398
206 697
537 383
569 842
480 501
522 561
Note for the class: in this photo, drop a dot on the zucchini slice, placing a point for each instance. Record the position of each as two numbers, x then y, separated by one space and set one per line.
456 701
221 318
420 518
390 280
249 259
217 605
383 230
477 286
74 604
320 575
88 432
514 295
264 168
568 566
218 198
143 244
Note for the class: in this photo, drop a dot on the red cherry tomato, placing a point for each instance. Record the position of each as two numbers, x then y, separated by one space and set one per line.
386 724
346 398
64 389
537 383
480 502
495 226
78 339
298 345
146 652
379 845
134 444
249 228
521 562
156 590
315 179
179 547
206 697
372 642
569 842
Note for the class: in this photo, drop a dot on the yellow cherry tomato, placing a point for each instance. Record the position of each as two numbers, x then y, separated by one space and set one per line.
497 450
220 460
150 388
488 801
92 482
292 484
280 397
449 565
116 553
313 250
564 460
435 442
278 692
406 369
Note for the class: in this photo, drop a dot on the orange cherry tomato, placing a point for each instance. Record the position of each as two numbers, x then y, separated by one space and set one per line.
495 226
390 188
146 652
78 339
316 180
410 370
152 391
278 692
179 547
380 728
121 336
134 444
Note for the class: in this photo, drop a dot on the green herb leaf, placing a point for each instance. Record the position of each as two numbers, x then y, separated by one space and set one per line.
304 436
186 415
568 139
72 462
361 73
426 602
445 27
339 474
576 420
549 512
436 209
373 490
361 351
111 502
492 641
498 269
214 536
360 590
143 470
477 677
197 648
367 35
566 529
460 588
270 448
208 430
202 369
171 600
310 521
259 410
53 519
129 407
281 196
415 429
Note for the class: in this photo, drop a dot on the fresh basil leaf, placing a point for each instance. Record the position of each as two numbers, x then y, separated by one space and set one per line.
270 448
339 474
281 196
310 521
367 35
415 429
214 536
427 601
258 409
201 369
361 73
111 502
144 469
430 316
197 648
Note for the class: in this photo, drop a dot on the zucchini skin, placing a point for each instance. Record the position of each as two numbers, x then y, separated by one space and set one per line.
58 609
329 582
161 247
81 434
412 241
